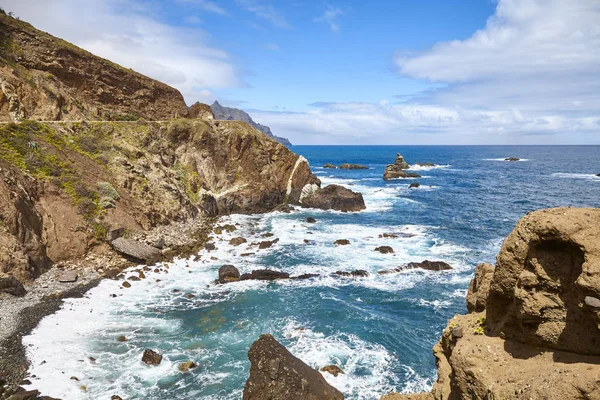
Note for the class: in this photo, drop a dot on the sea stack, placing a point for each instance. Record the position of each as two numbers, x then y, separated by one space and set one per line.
396 170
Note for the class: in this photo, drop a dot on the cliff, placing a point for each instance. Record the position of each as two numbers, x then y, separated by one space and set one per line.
234 114
533 331
46 78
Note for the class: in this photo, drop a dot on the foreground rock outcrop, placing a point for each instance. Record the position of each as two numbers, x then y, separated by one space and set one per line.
275 374
397 170
533 330
335 197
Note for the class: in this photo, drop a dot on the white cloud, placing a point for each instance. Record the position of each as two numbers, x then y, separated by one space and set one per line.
205 5
128 34
264 11
330 17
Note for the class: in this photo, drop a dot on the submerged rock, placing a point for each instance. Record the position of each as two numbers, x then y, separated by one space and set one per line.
414 185
151 357
335 197
275 374
228 273
342 242
384 249
311 220
186 366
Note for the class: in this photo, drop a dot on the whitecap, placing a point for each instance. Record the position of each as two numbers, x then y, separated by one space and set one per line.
588 177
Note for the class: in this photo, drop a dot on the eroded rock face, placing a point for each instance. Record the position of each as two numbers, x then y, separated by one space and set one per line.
275 374
396 170
479 287
335 197
547 266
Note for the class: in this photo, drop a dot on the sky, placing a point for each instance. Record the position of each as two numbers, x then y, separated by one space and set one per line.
358 72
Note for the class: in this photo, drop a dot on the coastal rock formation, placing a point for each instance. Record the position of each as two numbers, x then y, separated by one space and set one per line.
335 197
275 374
234 114
228 273
427 164
384 249
397 170
538 337
151 357
512 159
329 166
353 166
414 185
137 250
264 275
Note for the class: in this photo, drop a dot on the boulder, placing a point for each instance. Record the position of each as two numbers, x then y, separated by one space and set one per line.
224 228
547 266
267 243
414 185
479 287
151 357
136 250
186 366
264 275
311 220
342 242
115 234
512 159
68 276
353 166
384 249
228 273
236 241
275 374
330 166
333 370
11 285
429 265
335 197
210 246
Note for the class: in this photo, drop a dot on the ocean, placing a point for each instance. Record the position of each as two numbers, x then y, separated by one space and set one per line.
379 329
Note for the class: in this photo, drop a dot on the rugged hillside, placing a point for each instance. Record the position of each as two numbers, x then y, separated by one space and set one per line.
234 114
66 184
45 78
539 334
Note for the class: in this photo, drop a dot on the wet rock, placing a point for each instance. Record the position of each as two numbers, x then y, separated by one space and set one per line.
480 287
414 185
237 241
68 276
264 275
228 273
429 265
12 286
427 164
267 243
342 242
335 197
268 234
330 166
186 366
151 357
275 374
121 338
384 249
333 370
391 172
224 228
512 159
126 284
210 246
247 254
353 166
311 220
25 395
359 273
305 276
115 397
137 250
389 235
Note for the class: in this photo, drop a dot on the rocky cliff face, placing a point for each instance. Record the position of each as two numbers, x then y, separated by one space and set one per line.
234 114
45 78
539 334
65 185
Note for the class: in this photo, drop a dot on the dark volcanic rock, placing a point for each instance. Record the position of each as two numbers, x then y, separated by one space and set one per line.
236 241
429 265
228 273
330 166
151 357
267 243
335 197
384 249
427 164
512 159
353 166
305 276
311 220
13 286
264 275
342 242
396 170
359 273
414 185
137 250
275 374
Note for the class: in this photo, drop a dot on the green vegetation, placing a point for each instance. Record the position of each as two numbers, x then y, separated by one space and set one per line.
2 11
126 117
191 180
479 326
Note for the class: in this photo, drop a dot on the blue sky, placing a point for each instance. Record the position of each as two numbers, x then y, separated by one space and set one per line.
356 72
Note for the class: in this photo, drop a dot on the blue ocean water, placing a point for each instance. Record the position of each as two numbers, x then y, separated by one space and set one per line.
379 329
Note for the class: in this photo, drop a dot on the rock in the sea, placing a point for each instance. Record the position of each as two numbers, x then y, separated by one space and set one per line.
384 249
236 241
547 266
137 250
11 285
330 166
388 235
512 159
267 243
429 265
67 276
396 170
228 273
333 370
186 366
305 276
311 220
414 185
358 273
342 242
151 357
427 164
264 275
335 197
275 374
353 166
480 287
